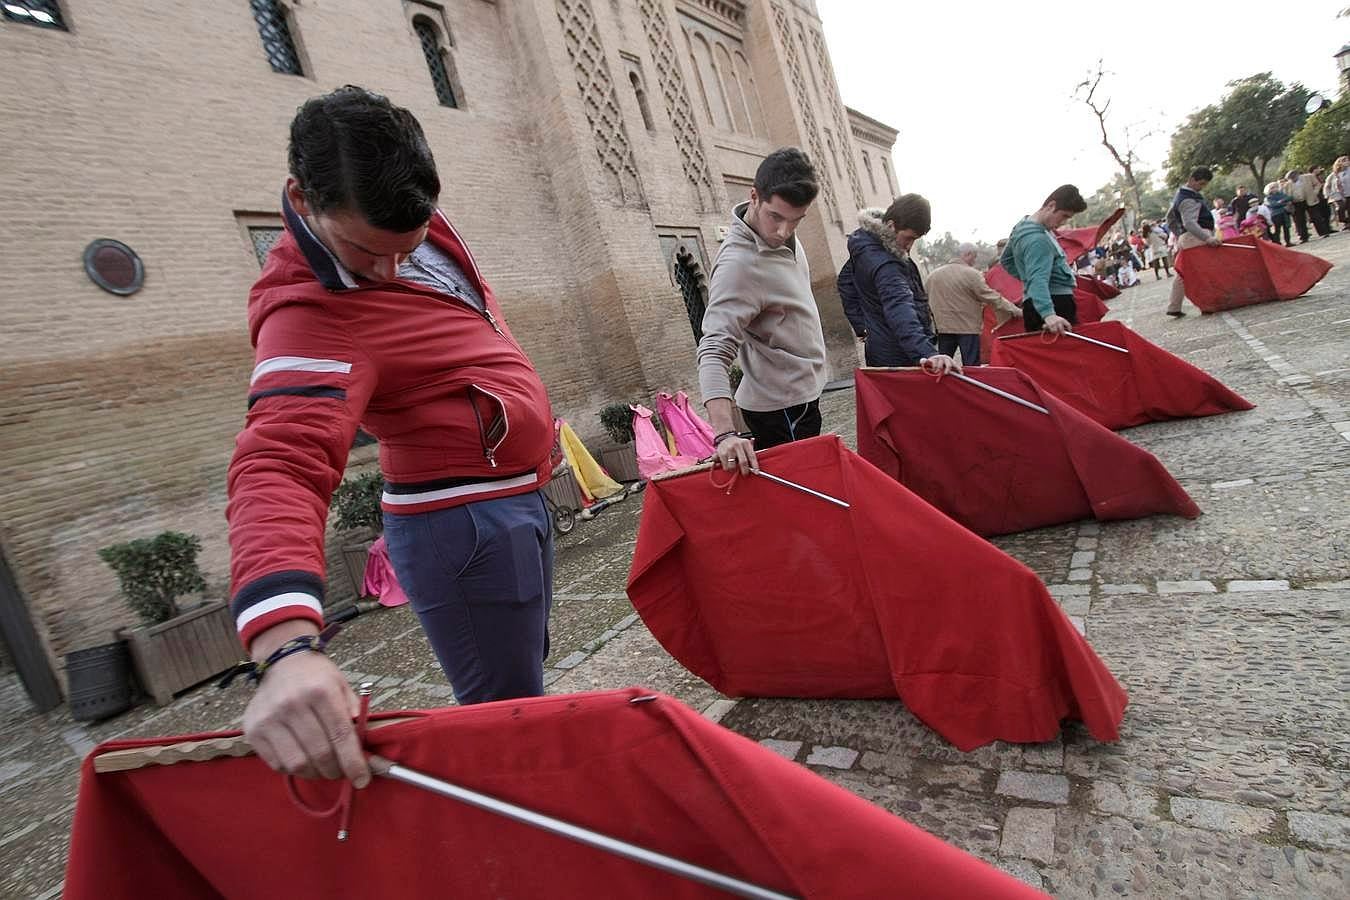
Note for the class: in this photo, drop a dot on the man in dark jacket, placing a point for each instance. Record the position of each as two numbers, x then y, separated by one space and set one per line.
370 310
882 292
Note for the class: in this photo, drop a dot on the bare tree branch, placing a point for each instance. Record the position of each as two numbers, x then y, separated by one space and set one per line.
1099 109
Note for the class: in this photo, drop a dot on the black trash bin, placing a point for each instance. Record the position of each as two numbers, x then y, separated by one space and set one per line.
99 681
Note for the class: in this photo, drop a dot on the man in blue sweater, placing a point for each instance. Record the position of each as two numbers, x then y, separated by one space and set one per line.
1034 257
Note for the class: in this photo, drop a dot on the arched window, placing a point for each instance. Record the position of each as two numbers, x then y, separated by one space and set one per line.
42 13
641 95
689 279
890 179
867 164
435 55
275 31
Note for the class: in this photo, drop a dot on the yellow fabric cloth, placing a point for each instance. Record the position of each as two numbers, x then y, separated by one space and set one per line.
670 443
595 484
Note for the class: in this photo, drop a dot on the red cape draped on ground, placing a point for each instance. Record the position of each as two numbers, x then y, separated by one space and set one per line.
653 773
1219 278
998 467
1117 390
1089 296
766 591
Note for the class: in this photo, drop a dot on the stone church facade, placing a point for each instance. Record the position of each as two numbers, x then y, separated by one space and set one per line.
590 152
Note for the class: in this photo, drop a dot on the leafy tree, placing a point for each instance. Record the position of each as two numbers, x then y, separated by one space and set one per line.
1248 127
939 251
1325 136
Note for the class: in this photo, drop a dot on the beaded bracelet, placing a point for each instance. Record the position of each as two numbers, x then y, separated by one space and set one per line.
254 671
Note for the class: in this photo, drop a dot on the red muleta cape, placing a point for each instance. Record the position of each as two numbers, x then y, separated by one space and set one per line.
766 591
1114 389
1219 278
998 467
1089 298
1089 294
653 773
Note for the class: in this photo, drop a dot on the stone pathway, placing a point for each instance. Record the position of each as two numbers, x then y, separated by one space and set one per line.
1232 776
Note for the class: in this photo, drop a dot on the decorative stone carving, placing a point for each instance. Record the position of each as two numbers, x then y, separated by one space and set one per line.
676 99
836 110
599 99
794 67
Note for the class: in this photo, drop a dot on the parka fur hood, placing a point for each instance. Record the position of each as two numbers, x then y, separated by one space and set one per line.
870 221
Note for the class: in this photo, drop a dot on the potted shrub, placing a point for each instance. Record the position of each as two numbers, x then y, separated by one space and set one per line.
356 512
178 646
619 459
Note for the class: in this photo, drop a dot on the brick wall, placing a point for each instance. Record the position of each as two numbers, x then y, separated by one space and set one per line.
157 124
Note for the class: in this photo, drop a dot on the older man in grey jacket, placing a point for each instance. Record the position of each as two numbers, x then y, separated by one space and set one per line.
761 312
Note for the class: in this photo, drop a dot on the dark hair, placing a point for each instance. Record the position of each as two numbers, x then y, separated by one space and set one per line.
1200 173
354 150
787 173
1066 197
910 211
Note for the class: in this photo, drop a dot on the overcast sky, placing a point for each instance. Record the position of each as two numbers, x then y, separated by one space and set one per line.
983 93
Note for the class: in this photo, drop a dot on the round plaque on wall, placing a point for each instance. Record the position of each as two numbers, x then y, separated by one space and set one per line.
114 266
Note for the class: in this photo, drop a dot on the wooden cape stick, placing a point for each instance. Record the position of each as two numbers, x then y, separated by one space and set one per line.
192 751
968 380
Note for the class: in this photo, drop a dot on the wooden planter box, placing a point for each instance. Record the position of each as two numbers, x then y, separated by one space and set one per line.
564 491
621 462
354 555
184 651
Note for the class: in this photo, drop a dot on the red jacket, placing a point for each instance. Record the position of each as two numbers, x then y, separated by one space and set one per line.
459 411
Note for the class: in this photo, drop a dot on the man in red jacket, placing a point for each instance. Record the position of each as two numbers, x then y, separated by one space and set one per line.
371 311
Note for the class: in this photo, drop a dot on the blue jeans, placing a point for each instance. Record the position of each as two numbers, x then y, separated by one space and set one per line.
480 578
968 344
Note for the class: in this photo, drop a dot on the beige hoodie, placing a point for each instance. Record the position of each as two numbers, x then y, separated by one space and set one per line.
761 312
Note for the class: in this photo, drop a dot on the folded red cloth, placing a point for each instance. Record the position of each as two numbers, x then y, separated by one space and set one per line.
1219 278
1114 389
998 467
653 773
762 590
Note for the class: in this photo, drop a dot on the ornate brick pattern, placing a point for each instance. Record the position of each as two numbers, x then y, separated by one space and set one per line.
804 105
837 112
599 98
678 107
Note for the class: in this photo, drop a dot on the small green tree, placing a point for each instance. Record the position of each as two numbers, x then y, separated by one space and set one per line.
155 572
356 502
1325 136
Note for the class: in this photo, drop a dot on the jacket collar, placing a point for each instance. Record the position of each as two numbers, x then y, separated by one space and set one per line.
330 273
334 276
742 227
869 221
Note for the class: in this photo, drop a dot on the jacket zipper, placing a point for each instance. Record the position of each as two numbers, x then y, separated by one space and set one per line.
490 450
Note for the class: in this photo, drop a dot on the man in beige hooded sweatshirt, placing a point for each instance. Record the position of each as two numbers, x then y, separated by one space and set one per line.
761 312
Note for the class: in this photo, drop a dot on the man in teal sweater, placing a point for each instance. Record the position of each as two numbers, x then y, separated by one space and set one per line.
1034 257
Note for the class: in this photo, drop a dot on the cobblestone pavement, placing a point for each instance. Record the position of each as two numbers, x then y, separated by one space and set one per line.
1232 775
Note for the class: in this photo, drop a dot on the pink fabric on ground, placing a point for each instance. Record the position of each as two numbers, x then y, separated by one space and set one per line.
693 436
652 455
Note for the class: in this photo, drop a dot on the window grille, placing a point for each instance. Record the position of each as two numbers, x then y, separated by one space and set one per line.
263 237
277 43
42 13
690 282
431 49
